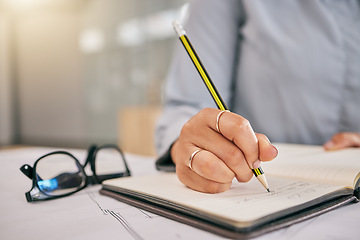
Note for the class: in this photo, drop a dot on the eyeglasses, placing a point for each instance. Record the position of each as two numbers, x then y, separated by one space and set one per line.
59 174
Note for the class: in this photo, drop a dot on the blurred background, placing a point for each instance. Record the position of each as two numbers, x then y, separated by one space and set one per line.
76 72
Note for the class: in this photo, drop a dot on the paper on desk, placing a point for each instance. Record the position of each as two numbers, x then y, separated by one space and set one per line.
83 215
89 215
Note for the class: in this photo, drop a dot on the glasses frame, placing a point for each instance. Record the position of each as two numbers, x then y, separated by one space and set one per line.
36 194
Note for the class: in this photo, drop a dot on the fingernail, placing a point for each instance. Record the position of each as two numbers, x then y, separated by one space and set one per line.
276 150
329 145
256 164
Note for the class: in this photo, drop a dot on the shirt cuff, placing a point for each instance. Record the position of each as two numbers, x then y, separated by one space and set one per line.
165 162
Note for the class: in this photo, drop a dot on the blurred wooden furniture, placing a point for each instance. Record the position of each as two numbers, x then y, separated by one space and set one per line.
136 129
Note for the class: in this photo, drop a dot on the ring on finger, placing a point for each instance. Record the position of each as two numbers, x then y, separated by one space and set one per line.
192 157
218 120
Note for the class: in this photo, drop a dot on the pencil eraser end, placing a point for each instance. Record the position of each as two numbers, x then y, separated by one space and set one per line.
178 28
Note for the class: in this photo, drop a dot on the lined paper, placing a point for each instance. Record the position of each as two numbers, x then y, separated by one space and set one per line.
340 167
243 202
298 175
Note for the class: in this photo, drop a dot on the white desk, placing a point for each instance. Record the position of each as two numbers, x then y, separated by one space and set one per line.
89 215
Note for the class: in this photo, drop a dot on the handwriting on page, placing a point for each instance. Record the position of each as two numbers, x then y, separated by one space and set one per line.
248 201
288 191
243 202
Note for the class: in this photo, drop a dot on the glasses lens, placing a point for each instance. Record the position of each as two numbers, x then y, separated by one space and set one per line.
109 163
59 174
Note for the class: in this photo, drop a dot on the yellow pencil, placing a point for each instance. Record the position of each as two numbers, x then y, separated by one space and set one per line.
258 172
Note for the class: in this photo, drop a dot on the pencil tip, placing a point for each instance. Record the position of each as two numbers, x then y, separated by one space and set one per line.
268 190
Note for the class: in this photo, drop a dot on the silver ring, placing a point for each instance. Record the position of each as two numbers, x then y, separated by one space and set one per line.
218 119
192 157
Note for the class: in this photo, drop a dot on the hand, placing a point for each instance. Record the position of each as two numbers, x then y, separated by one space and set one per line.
222 156
343 140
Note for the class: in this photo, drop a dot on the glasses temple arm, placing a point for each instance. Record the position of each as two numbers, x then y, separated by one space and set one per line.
27 170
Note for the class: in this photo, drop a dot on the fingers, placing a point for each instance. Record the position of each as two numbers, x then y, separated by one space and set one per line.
209 166
254 146
228 153
236 129
222 156
239 131
343 140
198 183
204 136
209 174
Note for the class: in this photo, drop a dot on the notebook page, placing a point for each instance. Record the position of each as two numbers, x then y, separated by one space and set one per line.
314 163
243 202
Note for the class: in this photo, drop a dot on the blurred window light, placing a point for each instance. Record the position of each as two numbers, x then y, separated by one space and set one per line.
131 33
25 4
183 13
91 40
156 26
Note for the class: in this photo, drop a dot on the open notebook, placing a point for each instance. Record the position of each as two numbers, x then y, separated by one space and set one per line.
304 181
